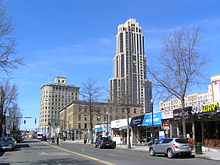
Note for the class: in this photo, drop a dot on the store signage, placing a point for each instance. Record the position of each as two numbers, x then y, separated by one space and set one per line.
166 126
166 114
147 121
177 113
210 107
136 121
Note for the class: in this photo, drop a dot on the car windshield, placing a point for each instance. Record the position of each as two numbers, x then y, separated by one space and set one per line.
106 139
181 140
3 139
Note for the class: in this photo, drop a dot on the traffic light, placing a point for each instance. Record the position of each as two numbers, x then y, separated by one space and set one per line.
35 121
24 121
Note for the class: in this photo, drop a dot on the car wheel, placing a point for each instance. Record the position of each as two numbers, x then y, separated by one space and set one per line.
151 152
170 153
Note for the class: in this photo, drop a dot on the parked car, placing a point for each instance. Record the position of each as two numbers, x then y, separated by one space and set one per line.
105 142
7 143
16 134
44 138
171 147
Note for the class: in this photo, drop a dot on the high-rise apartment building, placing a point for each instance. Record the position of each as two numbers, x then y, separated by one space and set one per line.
54 97
130 82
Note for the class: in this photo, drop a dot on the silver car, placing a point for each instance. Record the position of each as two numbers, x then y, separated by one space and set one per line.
171 147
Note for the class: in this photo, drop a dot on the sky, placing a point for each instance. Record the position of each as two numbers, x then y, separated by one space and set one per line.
76 39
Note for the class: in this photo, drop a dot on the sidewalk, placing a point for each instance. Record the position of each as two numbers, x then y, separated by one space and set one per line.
207 152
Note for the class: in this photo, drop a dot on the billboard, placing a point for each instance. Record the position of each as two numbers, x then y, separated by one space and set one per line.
148 119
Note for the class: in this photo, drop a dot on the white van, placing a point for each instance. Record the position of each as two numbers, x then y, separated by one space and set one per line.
39 136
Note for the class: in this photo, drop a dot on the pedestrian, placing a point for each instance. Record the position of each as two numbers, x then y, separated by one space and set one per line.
57 140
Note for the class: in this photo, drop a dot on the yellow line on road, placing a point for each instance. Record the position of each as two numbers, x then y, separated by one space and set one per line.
86 156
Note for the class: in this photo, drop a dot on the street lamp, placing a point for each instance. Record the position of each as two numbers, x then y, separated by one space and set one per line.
107 124
152 127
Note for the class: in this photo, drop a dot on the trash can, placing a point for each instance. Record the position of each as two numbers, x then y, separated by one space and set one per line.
198 148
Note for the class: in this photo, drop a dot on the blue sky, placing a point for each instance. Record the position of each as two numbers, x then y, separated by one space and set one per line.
76 39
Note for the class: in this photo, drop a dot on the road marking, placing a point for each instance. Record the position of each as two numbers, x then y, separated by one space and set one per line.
112 155
86 156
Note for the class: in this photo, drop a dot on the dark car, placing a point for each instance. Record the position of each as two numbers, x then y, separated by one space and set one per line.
171 147
44 138
105 142
7 143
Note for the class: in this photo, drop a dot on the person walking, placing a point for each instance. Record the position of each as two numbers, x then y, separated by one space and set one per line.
57 140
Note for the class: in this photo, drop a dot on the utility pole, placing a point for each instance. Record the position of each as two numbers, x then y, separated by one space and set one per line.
152 110
1 110
107 125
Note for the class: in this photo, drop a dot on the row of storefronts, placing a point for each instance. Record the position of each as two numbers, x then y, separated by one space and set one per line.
202 125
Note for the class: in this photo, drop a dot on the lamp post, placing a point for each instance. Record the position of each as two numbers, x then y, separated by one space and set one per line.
107 124
152 127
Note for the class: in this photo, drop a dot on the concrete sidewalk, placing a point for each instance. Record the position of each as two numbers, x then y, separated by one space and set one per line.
207 152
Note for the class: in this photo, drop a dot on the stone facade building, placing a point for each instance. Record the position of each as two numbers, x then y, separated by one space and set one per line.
75 118
54 97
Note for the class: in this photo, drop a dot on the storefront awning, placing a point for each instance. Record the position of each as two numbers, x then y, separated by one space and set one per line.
123 127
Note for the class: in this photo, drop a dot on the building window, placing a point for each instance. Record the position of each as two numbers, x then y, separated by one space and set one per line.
79 125
122 110
85 125
110 109
98 109
98 117
85 117
105 117
79 117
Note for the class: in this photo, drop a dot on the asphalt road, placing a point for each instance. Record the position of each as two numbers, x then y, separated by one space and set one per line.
42 153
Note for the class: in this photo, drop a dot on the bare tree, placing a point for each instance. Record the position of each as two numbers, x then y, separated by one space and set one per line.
10 107
91 94
180 65
124 101
14 116
7 43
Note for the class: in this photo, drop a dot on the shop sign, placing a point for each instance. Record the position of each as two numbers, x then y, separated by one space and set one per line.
166 126
119 123
177 113
136 121
166 114
210 107
147 121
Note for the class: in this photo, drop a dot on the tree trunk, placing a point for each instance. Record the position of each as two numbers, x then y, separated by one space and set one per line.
128 134
129 137
184 127
183 118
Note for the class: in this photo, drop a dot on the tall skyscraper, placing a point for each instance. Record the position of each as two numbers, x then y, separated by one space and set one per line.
130 79
54 97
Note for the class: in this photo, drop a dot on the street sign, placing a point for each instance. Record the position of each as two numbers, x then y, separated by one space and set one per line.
166 126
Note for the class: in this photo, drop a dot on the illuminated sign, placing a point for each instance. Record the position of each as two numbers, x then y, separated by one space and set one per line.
210 107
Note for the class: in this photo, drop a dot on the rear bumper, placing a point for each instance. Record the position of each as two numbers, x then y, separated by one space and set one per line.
183 152
6 147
